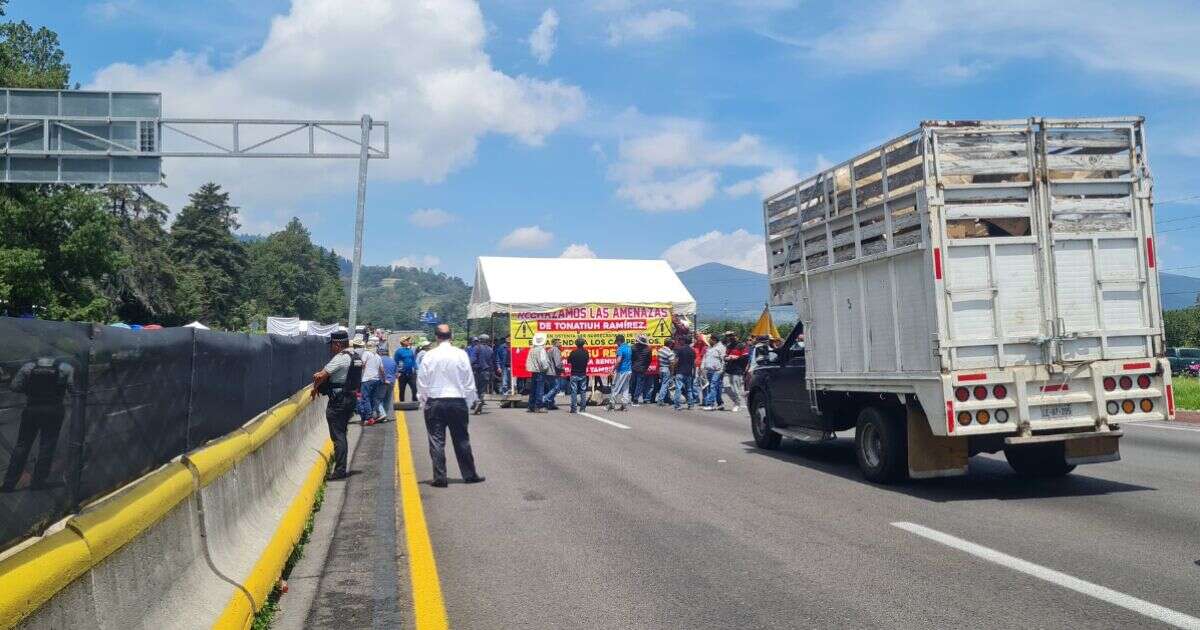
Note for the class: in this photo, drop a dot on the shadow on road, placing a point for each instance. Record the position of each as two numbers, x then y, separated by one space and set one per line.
986 478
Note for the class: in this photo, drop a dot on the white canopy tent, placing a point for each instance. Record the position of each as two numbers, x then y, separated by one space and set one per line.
506 285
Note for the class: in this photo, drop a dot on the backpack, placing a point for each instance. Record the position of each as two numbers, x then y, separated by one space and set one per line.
354 374
43 383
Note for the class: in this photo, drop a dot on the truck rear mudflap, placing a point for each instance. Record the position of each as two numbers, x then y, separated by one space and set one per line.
1091 447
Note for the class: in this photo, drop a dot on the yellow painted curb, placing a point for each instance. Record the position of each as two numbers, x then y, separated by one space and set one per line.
262 430
123 517
429 609
220 456
30 577
239 612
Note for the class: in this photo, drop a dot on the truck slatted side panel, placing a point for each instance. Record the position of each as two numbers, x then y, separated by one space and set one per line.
1096 196
993 301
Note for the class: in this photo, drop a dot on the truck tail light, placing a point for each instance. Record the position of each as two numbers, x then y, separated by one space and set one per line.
982 416
1147 405
980 392
1113 408
1126 382
964 418
1110 383
1127 406
1001 416
1000 391
1143 381
962 394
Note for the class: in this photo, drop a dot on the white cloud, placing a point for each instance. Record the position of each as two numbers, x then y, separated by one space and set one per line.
419 65
672 164
425 261
646 27
431 217
766 184
528 237
542 41
968 34
577 250
109 10
686 192
739 249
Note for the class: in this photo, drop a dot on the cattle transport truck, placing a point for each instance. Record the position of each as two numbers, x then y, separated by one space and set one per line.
975 287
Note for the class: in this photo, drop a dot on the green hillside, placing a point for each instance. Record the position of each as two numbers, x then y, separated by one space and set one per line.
395 297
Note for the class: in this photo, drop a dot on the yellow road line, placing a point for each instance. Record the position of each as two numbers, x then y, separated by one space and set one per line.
428 607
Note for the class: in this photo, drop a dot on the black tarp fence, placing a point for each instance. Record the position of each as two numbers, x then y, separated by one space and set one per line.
85 409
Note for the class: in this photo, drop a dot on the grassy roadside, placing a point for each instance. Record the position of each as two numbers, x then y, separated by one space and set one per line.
1187 393
266 615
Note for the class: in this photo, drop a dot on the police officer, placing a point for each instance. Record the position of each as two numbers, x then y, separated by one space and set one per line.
339 380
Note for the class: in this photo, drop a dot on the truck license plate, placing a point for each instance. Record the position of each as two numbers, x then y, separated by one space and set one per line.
1056 411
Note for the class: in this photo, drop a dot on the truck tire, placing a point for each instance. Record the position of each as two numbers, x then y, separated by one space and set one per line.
1041 460
881 446
760 423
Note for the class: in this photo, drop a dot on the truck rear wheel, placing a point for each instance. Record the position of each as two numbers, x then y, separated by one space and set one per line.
760 423
881 446
1041 460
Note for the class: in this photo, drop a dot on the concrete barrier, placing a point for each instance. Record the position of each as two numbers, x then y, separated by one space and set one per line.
197 543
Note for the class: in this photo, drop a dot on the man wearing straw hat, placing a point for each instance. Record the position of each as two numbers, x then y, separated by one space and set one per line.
537 362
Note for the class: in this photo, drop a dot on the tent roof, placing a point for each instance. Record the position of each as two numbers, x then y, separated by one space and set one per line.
504 285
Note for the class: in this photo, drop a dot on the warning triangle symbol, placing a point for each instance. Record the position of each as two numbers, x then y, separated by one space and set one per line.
661 329
524 331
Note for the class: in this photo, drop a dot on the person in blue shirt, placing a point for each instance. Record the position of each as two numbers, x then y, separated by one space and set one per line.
622 372
383 393
502 363
406 367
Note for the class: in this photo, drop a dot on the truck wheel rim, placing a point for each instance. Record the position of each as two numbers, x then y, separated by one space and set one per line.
872 446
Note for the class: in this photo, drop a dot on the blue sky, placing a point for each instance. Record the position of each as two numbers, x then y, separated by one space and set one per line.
623 128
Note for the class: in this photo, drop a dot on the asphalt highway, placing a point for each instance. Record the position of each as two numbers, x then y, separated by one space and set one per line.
679 521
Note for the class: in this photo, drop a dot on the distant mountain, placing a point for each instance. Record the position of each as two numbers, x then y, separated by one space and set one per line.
724 292
1177 291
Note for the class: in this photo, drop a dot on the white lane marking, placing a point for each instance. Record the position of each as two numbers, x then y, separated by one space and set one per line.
1159 426
1129 602
604 420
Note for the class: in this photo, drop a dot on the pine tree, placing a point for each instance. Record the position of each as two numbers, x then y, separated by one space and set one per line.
212 261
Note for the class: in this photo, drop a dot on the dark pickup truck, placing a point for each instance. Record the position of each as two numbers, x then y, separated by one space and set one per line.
779 400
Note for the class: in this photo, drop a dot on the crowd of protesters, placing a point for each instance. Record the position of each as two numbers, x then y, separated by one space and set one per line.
701 371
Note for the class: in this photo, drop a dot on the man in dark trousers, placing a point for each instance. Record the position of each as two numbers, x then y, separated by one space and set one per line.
445 387
482 365
641 369
406 367
45 383
339 380
578 360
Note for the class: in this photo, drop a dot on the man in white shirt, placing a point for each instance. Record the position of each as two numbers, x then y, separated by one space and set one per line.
445 387
372 371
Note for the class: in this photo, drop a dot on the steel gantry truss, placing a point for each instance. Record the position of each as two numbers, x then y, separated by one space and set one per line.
87 137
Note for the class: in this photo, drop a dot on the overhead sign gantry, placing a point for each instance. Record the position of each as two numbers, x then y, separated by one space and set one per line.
91 137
